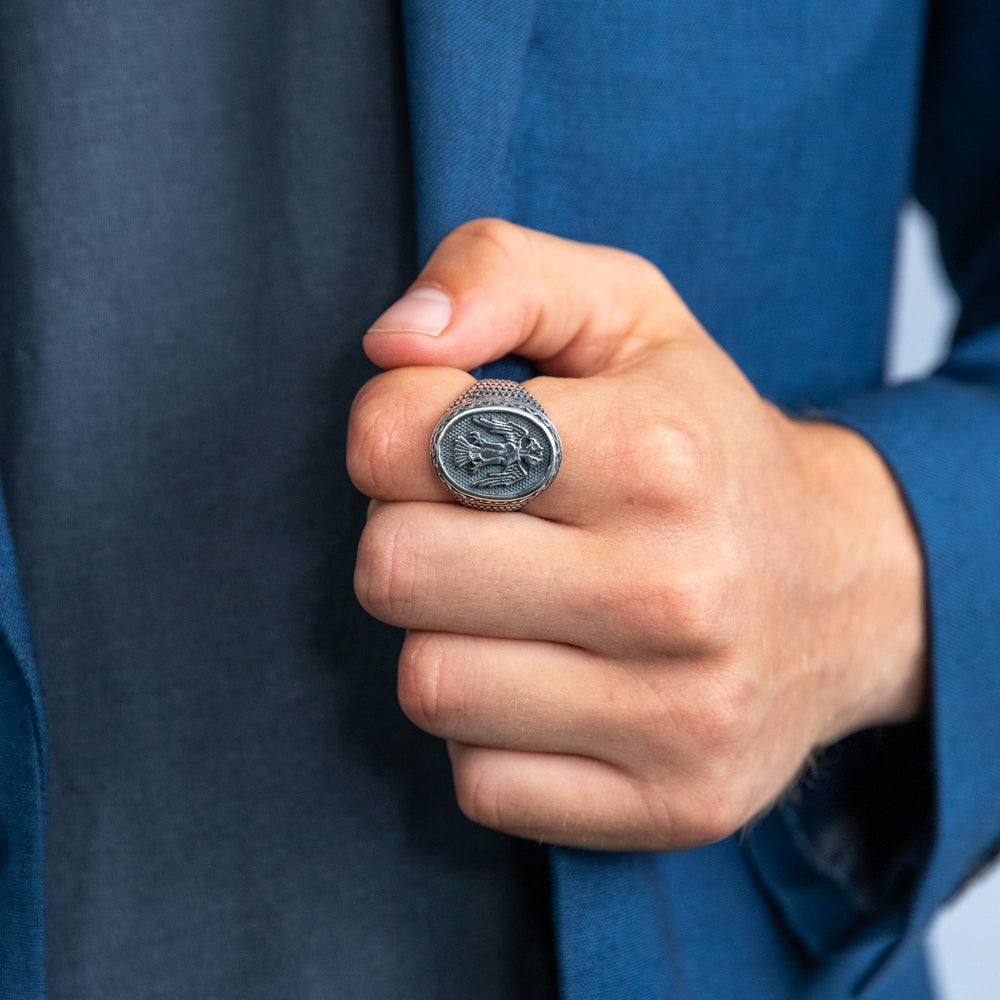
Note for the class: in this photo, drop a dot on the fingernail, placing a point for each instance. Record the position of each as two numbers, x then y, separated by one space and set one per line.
422 310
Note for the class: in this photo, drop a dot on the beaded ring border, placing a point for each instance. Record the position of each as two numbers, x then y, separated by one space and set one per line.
495 447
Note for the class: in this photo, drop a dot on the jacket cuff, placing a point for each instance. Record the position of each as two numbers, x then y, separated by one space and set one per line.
838 874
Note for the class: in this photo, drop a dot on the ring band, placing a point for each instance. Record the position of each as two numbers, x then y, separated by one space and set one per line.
495 448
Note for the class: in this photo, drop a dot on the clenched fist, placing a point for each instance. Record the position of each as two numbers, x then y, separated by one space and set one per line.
643 657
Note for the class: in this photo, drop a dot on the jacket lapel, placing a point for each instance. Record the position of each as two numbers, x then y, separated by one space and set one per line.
464 61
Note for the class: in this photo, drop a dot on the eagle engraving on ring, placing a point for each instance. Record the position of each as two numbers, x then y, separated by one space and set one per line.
515 453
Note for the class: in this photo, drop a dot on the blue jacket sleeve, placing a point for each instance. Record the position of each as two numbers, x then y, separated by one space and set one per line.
22 791
936 821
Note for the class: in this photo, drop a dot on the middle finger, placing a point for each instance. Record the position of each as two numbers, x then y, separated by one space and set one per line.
394 417
443 567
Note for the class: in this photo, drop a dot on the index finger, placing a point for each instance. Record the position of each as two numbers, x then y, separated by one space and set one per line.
395 414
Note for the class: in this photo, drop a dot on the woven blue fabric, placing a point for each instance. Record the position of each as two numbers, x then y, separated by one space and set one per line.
758 154
22 792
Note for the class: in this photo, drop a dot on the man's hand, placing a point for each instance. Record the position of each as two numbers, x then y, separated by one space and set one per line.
644 657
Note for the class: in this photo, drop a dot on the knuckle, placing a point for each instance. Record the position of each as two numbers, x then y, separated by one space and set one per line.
706 783
645 273
690 814
677 612
700 610
502 243
419 682
722 721
683 458
720 815
372 429
665 464
386 574
479 793
705 810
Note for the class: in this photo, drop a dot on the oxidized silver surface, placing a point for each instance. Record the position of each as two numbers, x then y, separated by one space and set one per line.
495 448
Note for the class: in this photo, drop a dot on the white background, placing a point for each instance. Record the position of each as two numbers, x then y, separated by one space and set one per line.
965 940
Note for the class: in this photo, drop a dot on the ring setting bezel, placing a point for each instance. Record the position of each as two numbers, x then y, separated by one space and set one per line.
508 434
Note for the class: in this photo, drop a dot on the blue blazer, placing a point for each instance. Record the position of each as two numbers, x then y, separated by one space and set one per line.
758 154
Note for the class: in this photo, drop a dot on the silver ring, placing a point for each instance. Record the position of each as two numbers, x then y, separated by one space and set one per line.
495 448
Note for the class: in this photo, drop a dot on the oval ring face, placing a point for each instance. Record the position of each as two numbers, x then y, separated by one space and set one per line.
495 456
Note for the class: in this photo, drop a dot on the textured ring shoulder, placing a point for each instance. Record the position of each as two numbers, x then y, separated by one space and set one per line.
495 448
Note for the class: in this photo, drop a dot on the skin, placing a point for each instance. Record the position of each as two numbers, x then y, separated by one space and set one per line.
646 655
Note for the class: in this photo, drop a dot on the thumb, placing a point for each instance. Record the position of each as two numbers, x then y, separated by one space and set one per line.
492 288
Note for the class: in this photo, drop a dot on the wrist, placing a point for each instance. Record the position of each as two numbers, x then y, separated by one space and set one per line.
869 577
